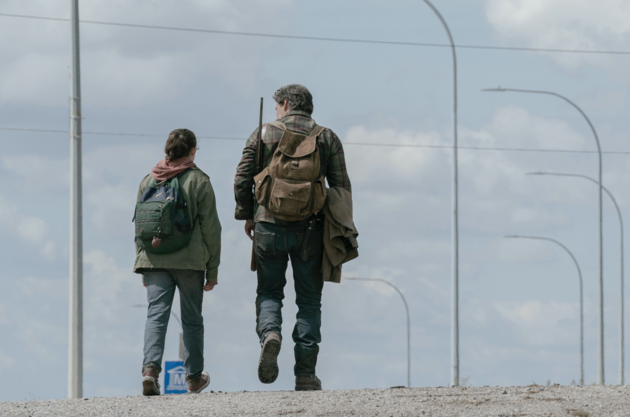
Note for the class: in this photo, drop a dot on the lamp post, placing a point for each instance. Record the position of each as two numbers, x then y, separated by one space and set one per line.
601 219
75 345
581 295
454 218
621 327
408 322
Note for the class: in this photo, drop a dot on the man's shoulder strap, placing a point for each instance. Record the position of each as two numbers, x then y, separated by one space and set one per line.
317 130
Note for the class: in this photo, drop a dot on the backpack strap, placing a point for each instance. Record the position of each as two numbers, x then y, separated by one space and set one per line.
317 131
183 172
278 124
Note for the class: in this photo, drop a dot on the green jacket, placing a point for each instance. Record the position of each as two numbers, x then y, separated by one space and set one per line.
203 252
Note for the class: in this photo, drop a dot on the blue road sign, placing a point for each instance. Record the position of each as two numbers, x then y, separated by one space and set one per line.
175 378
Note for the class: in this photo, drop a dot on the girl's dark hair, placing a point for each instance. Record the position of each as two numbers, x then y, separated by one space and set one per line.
179 144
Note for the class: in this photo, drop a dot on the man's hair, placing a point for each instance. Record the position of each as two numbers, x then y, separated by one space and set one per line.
298 97
179 144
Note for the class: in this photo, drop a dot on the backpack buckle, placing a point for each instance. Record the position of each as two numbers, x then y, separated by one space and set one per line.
157 242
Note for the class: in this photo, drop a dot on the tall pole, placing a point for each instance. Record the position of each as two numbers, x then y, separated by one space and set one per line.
601 379
621 321
581 296
454 219
75 354
408 321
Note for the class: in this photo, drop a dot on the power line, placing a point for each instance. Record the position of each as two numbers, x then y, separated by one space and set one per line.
316 38
390 145
480 148
17 129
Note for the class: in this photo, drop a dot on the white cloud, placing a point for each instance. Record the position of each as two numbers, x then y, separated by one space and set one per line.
401 162
542 324
107 295
28 76
37 173
130 67
565 24
31 230
514 126
495 193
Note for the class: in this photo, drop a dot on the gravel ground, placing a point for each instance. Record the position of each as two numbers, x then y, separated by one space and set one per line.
466 401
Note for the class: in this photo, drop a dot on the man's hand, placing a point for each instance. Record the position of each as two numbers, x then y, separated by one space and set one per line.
210 285
249 229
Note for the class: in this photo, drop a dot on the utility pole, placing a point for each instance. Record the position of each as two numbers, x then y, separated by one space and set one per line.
75 348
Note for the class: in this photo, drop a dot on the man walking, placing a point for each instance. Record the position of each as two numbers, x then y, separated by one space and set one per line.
283 218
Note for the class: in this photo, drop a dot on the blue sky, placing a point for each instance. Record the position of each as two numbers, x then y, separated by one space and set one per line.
519 299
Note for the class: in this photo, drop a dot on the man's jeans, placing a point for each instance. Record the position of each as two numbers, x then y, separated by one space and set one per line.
160 292
274 246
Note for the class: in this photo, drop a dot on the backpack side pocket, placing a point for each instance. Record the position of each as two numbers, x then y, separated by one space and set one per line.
262 183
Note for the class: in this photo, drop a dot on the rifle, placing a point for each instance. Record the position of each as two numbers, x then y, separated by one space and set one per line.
260 147
260 160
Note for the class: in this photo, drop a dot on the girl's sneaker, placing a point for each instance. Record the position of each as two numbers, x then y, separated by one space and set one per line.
199 384
150 384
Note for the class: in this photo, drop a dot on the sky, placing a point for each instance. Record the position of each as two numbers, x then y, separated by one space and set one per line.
519 299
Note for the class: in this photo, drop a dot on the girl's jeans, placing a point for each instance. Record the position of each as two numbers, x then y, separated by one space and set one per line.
161 286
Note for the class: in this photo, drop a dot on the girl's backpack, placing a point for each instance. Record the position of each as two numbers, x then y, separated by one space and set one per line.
162 221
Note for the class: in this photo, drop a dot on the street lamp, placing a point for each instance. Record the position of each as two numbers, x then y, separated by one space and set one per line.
454 219
408 322
581 296
621 330
601 219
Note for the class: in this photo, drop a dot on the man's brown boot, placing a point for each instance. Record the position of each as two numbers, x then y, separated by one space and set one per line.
268 362
308 383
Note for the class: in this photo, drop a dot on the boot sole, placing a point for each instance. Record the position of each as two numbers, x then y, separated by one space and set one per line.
149 387
268 364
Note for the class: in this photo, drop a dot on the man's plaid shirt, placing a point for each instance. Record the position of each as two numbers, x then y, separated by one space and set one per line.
333 163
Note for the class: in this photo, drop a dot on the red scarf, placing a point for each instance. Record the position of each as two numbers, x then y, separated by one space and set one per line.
165 169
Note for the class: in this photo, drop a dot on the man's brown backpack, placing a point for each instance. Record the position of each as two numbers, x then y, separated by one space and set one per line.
290 188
